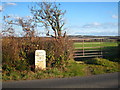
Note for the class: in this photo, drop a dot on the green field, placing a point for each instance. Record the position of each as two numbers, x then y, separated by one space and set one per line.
109 49
110 56
95 44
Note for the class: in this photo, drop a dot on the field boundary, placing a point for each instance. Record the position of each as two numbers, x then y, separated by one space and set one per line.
82 52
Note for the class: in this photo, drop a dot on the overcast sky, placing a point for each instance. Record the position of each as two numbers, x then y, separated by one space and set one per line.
82 18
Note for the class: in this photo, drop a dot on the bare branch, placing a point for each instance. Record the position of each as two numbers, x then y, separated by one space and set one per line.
49 15
27 25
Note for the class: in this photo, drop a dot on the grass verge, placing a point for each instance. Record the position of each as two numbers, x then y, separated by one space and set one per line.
83 68
100 66
73 69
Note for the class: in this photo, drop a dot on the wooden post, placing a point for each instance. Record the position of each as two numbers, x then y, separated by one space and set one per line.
101 46
83 48
90 41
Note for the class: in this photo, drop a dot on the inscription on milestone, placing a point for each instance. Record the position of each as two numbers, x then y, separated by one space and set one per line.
40 59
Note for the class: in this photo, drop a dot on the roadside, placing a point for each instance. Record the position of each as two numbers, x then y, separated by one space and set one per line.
95 81
84 68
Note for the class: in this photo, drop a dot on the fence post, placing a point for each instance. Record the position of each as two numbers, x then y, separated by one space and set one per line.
101 46
83 48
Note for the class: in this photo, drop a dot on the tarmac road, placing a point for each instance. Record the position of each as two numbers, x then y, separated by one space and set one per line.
95 81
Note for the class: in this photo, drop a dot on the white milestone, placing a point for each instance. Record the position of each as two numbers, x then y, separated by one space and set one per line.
40 59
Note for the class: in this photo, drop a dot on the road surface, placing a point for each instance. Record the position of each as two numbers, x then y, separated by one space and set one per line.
95 81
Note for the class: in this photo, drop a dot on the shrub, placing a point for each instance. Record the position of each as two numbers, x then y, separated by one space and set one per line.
19 52
58 52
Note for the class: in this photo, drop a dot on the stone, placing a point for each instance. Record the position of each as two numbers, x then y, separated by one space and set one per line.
40 59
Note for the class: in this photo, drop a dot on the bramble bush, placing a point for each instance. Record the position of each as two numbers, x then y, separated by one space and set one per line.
19 52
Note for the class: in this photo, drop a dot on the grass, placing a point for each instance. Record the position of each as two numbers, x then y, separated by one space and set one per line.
0 72
111 53
110 61
109 49
84 68
99 66
73 69
91 44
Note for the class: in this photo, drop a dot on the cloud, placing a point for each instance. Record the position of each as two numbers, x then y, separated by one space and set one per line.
28 17
11 4
1 8
96 24
109 25
100 25
17 17
95 28
114 16
101 32
91 25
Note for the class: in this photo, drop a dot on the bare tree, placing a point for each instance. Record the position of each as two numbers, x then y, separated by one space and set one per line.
7 30
27 24
50 15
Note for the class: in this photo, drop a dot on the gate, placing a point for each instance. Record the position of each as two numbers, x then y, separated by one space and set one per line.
88 47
